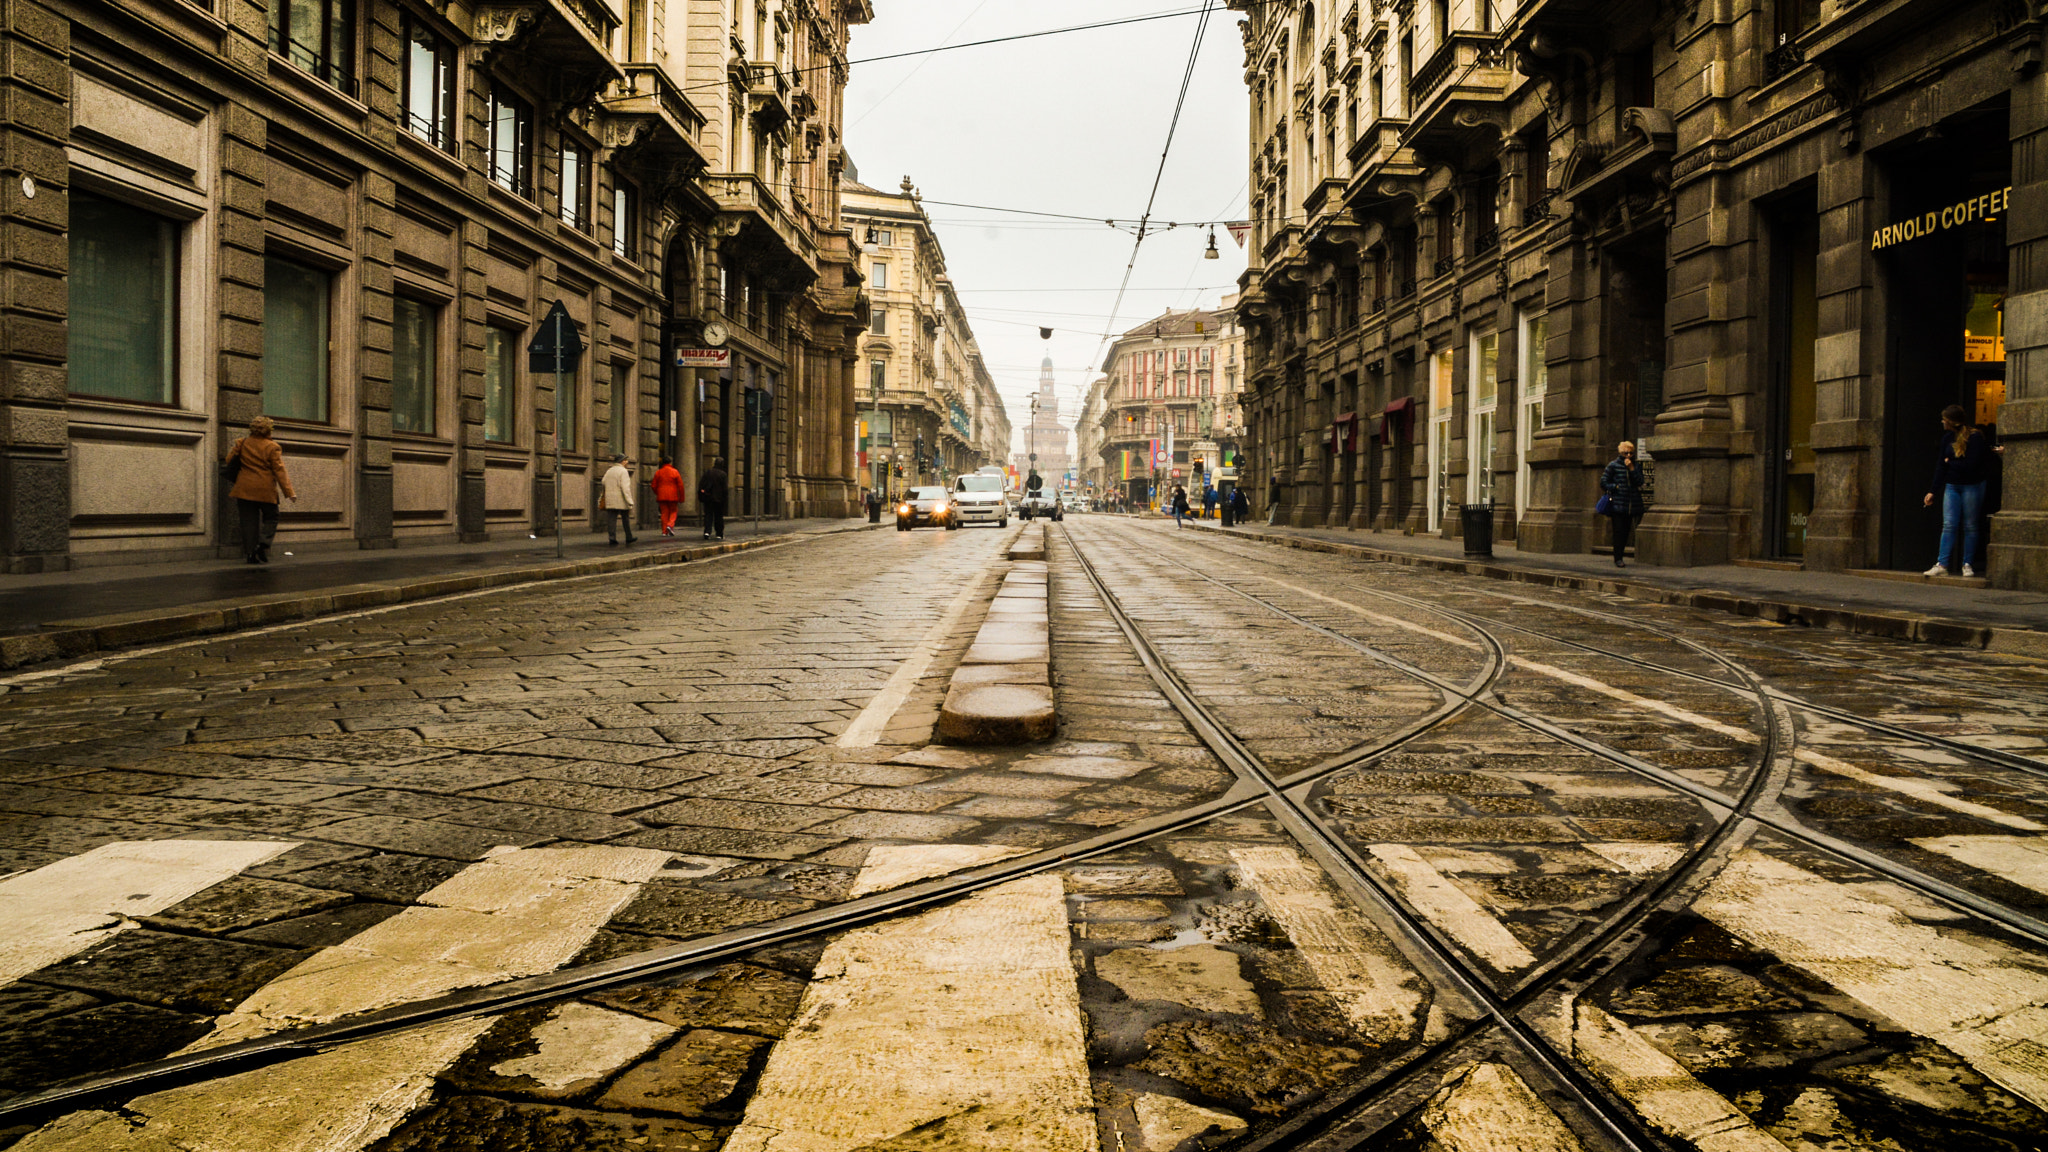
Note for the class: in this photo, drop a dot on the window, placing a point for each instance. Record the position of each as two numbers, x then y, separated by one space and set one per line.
576 186
429 82
296 309
1379 94
625 217
511 142
878 376
621 408
881 433
1180 421
1534 380
1440 404
568 413
880 280
636 30
412 366
1440 21
878 323
884 237
318 36
1485 396
124 294
1407 76
1792 19
501 384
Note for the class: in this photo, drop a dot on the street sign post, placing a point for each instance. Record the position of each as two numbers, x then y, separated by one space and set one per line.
556 347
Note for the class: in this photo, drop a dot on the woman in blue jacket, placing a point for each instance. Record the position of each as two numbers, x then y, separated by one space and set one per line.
1959 484
1622 481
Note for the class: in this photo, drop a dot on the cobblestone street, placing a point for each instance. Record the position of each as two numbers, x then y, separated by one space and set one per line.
1326 854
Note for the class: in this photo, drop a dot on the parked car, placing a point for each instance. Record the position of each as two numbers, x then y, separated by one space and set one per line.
926 507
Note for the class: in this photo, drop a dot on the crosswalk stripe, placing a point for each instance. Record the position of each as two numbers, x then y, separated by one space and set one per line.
1979 999
963 1023
63 908
1487 1108
519 912
1660 1088
2020 859
1380 994
1446 905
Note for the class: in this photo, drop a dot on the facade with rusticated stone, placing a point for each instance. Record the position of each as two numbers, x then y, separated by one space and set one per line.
1767 241
354 216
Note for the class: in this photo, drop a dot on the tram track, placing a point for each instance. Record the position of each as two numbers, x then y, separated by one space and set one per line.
1739 816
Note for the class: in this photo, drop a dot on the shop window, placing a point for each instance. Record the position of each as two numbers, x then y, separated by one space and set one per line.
318 36
297 309
412 366
511 142
123 312
429 83
575 186
625 217
501 384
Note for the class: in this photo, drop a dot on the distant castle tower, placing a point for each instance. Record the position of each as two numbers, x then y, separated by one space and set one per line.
1044 433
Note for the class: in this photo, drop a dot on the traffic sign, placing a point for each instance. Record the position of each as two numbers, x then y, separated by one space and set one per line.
703 357
1159 458
558 344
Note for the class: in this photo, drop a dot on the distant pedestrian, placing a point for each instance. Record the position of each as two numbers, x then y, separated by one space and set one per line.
873 503
1240 505
1622 483
1226 505
1180 504
256 465
618 498
1208 502
668 494
711 498
1959 481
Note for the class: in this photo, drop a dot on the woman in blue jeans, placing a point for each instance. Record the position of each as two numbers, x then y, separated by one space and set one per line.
1959 483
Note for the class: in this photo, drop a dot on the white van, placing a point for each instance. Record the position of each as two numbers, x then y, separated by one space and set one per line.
978 499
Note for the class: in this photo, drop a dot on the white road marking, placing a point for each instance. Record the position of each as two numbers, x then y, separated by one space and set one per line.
867 728
2020 859
1488 1108
62 909
970 1012
582 1043
520 912
1979 999
338 1101
1661 1090
1448 907
883 870
1920 788
1166 1122
1641 857
1379 993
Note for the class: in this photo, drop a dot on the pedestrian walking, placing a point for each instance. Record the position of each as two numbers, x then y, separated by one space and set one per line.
255 464
1208 502
1621 485
1240 506
1226 506
1180 505
1959 480
711 498
668 494
618 498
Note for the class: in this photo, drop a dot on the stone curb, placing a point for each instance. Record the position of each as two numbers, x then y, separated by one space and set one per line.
1002 691
1895 625
66 639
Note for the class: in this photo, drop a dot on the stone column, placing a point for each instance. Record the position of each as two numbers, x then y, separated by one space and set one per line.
2018 553
35 480
244 137
1563 464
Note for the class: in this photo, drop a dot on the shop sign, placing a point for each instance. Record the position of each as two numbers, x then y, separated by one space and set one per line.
703 357
1976 210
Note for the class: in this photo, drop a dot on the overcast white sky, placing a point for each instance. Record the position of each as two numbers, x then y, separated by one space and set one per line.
1072 123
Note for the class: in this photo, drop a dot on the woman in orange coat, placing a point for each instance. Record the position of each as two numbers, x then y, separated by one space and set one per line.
258 481
668 494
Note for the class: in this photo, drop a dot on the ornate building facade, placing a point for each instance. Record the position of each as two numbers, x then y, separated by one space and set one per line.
928 404
1766 241
354 217
1171 388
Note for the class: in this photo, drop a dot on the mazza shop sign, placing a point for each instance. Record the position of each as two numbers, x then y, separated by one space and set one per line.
1976 210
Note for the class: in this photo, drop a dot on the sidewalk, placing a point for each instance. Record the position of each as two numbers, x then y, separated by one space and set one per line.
1907 609
62 614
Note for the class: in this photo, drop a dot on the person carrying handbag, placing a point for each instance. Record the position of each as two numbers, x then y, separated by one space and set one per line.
1621 487
255 468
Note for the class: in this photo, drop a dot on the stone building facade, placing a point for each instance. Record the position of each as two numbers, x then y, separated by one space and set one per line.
1175 379
923 382
1768 241
357 226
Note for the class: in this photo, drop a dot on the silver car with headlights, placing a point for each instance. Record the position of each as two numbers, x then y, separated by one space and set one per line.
926 507
978 499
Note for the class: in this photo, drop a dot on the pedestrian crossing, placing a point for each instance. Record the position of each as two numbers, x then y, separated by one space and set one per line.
966 1026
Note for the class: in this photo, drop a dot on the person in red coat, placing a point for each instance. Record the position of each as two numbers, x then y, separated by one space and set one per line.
668 494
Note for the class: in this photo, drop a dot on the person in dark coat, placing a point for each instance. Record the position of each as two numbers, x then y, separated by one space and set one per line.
1180 504
1622 481
1226 507
1240 505
259 480
1959 480
711 499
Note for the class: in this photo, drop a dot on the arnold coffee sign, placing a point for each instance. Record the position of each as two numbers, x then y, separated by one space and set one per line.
1976 210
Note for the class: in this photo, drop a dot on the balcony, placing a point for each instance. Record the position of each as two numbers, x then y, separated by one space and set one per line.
572 37
752 221
647 110
1469 67
768 94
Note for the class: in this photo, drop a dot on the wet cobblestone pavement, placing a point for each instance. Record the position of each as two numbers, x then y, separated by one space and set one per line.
1326 855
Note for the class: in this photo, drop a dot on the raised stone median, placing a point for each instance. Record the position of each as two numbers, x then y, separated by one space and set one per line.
1002 691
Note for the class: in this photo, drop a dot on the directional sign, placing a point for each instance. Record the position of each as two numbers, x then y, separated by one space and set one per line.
703 357
557 345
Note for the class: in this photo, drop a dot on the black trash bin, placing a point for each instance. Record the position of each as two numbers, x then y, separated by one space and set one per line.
1478 521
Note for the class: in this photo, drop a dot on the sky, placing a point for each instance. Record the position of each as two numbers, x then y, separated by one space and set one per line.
1071 123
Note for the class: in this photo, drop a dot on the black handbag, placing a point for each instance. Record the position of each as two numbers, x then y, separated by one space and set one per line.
232 466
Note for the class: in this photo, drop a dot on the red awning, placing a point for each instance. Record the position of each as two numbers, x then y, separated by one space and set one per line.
1344 433
1399 422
